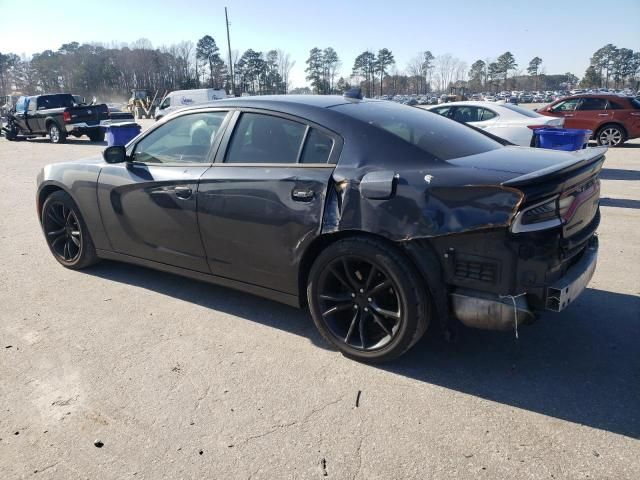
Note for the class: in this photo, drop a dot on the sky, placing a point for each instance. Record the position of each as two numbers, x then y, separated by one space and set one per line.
563 33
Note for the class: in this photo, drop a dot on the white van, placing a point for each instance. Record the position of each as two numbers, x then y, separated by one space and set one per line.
185 98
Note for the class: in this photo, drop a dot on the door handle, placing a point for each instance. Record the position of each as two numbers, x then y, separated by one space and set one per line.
568 115
183 192
603 114
302 194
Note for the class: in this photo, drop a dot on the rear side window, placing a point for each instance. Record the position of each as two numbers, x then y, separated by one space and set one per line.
438 136
488 114
636 103
615 106
55 101
259 138
467 114
593 104
317 147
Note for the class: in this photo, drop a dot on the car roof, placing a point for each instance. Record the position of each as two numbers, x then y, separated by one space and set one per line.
278 101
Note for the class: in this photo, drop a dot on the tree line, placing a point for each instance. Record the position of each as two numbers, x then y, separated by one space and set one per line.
612 67
111 71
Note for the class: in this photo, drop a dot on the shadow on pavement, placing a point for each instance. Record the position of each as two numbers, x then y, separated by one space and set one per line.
68 141
582 365
619 202
619 174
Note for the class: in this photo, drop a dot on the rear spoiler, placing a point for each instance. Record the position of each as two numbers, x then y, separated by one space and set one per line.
581 158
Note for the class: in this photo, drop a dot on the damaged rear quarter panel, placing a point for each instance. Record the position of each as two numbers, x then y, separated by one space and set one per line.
421 207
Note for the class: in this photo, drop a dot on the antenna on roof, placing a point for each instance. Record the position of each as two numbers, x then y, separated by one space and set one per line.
355 93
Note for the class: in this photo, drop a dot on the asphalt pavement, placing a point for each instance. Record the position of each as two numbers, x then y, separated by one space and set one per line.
122 372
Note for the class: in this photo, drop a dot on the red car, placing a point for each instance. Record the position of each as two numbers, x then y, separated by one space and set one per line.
613 119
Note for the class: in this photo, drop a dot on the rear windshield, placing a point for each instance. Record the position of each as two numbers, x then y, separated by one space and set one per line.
522 111
432 133
55 101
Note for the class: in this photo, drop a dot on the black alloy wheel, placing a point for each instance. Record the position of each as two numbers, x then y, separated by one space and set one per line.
66 233
63 233
367 299
359 303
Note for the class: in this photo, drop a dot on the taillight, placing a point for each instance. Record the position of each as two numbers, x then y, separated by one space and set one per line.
66 116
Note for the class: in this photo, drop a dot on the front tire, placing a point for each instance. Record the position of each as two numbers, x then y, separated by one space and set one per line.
610 136
66 232
56 135
367 299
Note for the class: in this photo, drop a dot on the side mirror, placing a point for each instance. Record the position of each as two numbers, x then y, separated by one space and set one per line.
115 154
378 185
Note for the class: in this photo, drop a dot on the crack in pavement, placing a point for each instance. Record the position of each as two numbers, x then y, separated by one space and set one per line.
304 420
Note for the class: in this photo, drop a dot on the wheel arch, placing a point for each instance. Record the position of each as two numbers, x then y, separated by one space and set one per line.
49 120
323 241
49 187
611 124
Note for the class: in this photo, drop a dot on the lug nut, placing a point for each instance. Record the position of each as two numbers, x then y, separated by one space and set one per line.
368 299
355 306
361 290
353 295
366 309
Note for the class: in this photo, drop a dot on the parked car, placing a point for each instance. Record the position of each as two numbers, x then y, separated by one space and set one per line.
512 123
613 119
185 98
381 218
490 98
56 115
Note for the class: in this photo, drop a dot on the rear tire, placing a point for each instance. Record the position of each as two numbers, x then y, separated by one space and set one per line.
66 232
367 299
56 135
96 136
610 136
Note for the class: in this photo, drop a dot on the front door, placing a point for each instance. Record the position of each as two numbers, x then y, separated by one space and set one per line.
567 110
261 203
149 205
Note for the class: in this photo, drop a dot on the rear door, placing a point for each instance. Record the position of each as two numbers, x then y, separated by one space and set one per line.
591 113
149 205
261 203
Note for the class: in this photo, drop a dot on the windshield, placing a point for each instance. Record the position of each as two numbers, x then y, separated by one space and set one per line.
432 133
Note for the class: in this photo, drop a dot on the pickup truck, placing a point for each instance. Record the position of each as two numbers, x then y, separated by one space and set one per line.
57 115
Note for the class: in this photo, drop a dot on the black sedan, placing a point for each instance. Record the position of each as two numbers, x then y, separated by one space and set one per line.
381 218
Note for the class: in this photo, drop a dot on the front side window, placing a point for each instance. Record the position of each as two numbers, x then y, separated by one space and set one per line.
21 106
566 106
165 103
184 139
593 104
32 105
259 138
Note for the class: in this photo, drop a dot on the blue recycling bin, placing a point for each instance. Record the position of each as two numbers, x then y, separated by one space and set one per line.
121 133
567 139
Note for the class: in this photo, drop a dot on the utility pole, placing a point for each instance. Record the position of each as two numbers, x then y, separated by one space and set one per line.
233 86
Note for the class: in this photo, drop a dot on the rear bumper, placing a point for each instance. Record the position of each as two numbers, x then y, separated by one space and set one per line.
490 311
74 127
